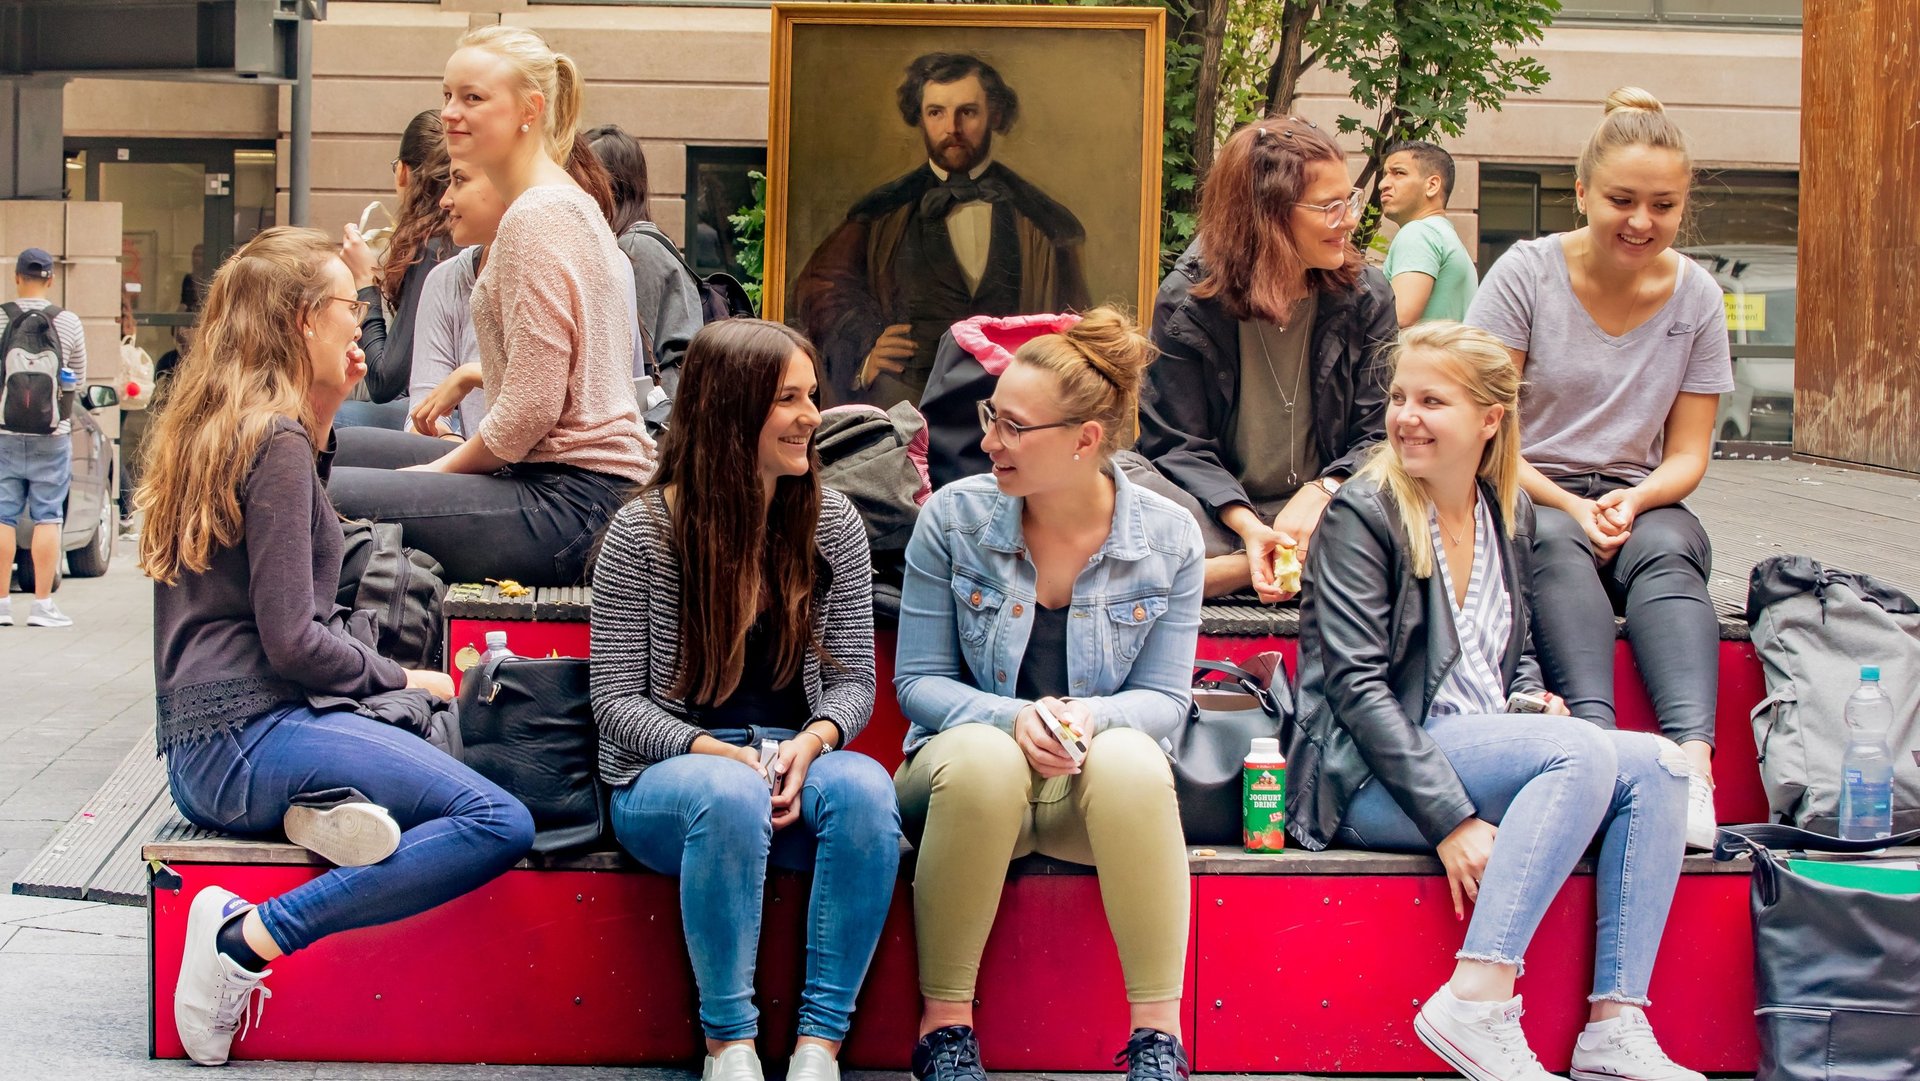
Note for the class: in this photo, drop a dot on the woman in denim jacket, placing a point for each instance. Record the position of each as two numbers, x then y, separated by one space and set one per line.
1054 581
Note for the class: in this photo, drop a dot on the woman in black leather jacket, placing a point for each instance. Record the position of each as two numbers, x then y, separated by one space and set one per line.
1414 633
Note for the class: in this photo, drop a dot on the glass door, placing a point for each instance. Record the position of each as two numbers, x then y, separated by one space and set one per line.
185 205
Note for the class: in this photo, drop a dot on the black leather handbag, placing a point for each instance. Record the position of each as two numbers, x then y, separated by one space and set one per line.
1232 705
526 724
1836 967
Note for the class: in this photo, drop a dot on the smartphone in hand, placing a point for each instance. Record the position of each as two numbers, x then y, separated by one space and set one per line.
1069 737
1521 702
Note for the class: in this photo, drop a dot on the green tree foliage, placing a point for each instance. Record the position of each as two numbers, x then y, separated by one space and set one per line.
1418 67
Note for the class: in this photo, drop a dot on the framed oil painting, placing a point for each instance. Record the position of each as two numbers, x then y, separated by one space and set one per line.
932 162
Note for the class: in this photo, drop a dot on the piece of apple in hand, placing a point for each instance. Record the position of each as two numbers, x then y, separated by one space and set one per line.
1286 569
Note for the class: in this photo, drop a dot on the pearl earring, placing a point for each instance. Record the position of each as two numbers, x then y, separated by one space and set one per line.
1076 457
525 127
309 333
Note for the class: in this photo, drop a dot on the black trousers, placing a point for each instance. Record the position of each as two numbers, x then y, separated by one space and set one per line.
534 523
1658 580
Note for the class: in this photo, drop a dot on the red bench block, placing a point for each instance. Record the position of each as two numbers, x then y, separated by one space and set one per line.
586 968
1323 974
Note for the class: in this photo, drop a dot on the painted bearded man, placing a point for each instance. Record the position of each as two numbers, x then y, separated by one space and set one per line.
961 235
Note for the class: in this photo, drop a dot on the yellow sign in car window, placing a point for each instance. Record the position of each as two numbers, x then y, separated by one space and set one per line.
1746 311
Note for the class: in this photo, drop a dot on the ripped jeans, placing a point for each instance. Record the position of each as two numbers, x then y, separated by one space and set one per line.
1550 784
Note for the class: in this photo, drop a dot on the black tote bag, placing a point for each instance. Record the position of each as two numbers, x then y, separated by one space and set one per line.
526 724
1231 706
1836 969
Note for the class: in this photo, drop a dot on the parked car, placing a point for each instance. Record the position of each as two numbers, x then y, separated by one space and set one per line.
87 534
1760 281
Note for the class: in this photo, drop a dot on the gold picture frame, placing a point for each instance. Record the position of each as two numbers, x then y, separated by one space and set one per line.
837 135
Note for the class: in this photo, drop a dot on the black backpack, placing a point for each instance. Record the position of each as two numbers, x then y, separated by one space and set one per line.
402 587
30 371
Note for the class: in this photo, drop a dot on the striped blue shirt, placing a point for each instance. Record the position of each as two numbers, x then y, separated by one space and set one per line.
1484 624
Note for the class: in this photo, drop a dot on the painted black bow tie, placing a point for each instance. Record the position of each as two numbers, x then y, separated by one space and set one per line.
940 200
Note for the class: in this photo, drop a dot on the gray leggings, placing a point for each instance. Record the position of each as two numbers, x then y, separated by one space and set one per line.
1658 580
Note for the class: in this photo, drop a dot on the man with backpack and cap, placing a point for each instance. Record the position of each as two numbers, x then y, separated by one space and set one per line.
43 352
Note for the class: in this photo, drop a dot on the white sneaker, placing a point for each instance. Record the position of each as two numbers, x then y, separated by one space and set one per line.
347 831
1702 824
212 999
1482 1040
6 611
47 614
1624 1050
737 1063
811 1062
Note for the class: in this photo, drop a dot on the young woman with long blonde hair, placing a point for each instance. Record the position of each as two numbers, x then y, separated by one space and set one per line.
244 549
1413 636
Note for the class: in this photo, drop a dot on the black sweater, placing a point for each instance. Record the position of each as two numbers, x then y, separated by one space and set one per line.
252 631
389 343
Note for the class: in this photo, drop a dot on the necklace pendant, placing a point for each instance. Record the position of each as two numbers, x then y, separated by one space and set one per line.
1293 479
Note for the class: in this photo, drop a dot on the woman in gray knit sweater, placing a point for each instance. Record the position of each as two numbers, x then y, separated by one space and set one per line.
733 604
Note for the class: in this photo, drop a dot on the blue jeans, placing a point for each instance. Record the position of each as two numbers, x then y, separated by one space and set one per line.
709 820
459 830
391 416
1551 783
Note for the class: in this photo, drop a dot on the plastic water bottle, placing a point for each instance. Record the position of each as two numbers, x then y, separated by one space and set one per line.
1866 771
496 647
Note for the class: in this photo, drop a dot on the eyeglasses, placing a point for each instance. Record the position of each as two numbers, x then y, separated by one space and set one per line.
393 166
992 423
1336 212
357 306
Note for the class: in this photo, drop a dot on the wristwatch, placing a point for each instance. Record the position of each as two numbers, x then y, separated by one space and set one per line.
1329 485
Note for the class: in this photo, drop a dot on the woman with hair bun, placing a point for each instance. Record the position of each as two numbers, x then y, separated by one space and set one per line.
526 495
1623 343
1054 583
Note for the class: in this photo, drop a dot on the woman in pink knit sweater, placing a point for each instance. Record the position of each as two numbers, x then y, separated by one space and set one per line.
561 447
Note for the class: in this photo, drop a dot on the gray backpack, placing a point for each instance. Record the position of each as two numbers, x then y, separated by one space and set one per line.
30 370
1814 626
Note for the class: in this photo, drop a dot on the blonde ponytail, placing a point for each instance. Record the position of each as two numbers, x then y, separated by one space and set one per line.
538 70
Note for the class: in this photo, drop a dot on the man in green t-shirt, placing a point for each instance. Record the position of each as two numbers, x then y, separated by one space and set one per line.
1431 271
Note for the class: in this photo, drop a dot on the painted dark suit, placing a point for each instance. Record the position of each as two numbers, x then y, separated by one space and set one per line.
892 262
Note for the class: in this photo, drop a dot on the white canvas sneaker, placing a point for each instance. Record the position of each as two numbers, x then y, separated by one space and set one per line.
1625 1050
212 999
1701 823
1482 1040
811 1062
342 827
6 611
737 1063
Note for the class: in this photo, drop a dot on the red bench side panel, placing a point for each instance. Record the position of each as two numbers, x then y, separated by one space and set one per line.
1323 974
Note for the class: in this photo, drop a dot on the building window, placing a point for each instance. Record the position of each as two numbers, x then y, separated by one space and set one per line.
719 185
1736 12
1743 228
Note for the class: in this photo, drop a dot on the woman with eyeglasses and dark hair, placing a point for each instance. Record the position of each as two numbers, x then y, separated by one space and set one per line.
1052 590
1272 337
392 287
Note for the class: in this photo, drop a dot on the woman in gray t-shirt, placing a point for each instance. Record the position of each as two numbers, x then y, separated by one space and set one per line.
1623 342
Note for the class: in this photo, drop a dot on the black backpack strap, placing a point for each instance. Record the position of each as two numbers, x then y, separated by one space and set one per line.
1738 840
647 228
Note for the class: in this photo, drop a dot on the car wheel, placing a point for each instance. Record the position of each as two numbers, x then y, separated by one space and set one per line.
91 559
